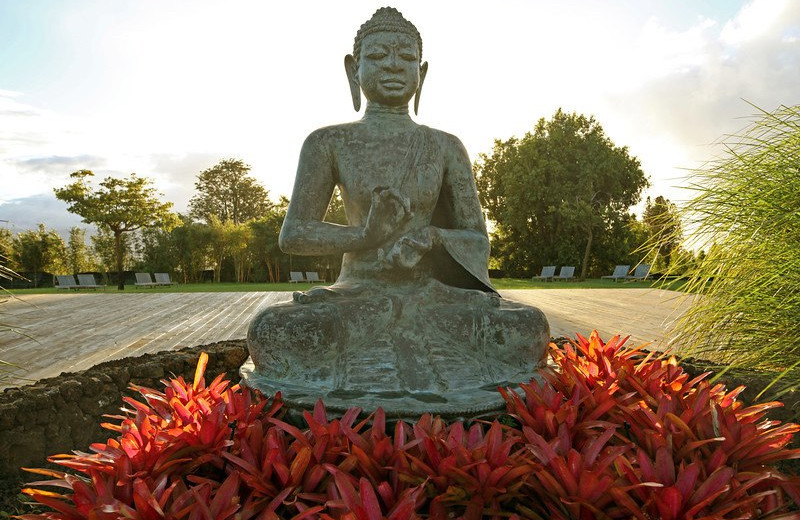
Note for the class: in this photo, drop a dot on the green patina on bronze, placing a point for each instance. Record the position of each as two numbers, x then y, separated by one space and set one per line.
412 324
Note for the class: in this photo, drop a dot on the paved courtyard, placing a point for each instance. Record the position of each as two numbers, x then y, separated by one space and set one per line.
74 331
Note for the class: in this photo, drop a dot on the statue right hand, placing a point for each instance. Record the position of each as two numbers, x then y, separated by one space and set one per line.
389 210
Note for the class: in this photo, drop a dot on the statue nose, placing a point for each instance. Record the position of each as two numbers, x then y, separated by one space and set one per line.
392 62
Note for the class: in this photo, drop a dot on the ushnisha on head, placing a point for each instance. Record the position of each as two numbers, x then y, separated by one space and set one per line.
386 63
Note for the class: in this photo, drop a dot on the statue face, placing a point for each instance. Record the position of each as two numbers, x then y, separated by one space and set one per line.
389 68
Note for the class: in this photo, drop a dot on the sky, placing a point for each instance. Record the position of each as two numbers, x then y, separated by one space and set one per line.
168 89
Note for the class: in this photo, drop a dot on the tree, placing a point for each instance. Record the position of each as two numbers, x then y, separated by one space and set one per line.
663 223
119 205
227 191
191 241
78 257
6 247
221 243
264 243
38 251
336 213
555 193
103 246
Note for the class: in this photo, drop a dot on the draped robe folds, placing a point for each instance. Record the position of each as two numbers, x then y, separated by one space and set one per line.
433 338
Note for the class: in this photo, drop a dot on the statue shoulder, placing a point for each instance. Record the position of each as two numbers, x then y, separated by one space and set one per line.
327 137
448 142
453 150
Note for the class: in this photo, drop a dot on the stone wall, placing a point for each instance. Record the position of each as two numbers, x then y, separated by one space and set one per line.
61 414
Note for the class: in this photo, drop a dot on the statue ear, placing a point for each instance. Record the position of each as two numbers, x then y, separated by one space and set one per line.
423 71
351 68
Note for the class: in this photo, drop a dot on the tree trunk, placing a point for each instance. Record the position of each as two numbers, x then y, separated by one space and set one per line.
118 254
586 254
218 270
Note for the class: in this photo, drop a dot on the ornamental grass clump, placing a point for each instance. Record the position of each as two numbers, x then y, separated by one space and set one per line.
744 214
609 432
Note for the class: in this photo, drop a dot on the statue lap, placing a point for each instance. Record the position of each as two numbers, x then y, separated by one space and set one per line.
407 348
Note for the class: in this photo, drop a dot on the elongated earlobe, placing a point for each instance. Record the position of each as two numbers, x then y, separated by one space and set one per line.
351 69
423 71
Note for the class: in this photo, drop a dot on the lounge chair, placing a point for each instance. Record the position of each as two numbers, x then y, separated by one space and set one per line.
567 272
548 272
87 281
66 281
642 272
144 280
620 273
163 279
313 277
296 277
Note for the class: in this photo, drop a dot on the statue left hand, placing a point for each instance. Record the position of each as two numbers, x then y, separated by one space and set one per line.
409 249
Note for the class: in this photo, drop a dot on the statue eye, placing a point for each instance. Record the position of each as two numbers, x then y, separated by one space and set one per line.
409 57
376 55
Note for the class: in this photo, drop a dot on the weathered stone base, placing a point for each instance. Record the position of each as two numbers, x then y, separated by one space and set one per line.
458 404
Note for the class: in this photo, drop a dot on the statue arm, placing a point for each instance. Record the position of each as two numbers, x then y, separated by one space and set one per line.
303 231
463 230
459 194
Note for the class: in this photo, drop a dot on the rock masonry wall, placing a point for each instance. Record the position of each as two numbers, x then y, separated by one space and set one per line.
61 414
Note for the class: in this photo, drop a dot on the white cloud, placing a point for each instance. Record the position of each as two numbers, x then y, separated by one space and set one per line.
760 19
675 117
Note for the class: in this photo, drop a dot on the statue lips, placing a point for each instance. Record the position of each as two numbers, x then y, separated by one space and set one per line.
393 84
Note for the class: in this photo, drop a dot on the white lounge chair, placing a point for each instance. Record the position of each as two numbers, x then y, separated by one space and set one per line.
87 281
296 277
620 273
548 272
642 272
313 277
163 279
144 280
567 272
66 281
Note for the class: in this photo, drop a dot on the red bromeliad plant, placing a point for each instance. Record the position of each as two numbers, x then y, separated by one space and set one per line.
609 432
618 433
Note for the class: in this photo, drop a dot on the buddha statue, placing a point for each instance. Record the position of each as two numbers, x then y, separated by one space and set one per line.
412 324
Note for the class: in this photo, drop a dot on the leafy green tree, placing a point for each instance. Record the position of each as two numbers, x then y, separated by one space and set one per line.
220 243
557 192
263 247
238 238
619 244
6 247
38 251
104 249
156 251
191 241
336 213
119 205
78 256
663 225
228 192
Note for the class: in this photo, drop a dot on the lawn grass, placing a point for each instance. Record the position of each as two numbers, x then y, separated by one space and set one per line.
499 283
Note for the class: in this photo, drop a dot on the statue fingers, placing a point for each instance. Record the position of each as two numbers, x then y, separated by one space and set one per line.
398 198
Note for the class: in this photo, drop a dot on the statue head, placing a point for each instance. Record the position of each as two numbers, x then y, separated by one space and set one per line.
387 61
